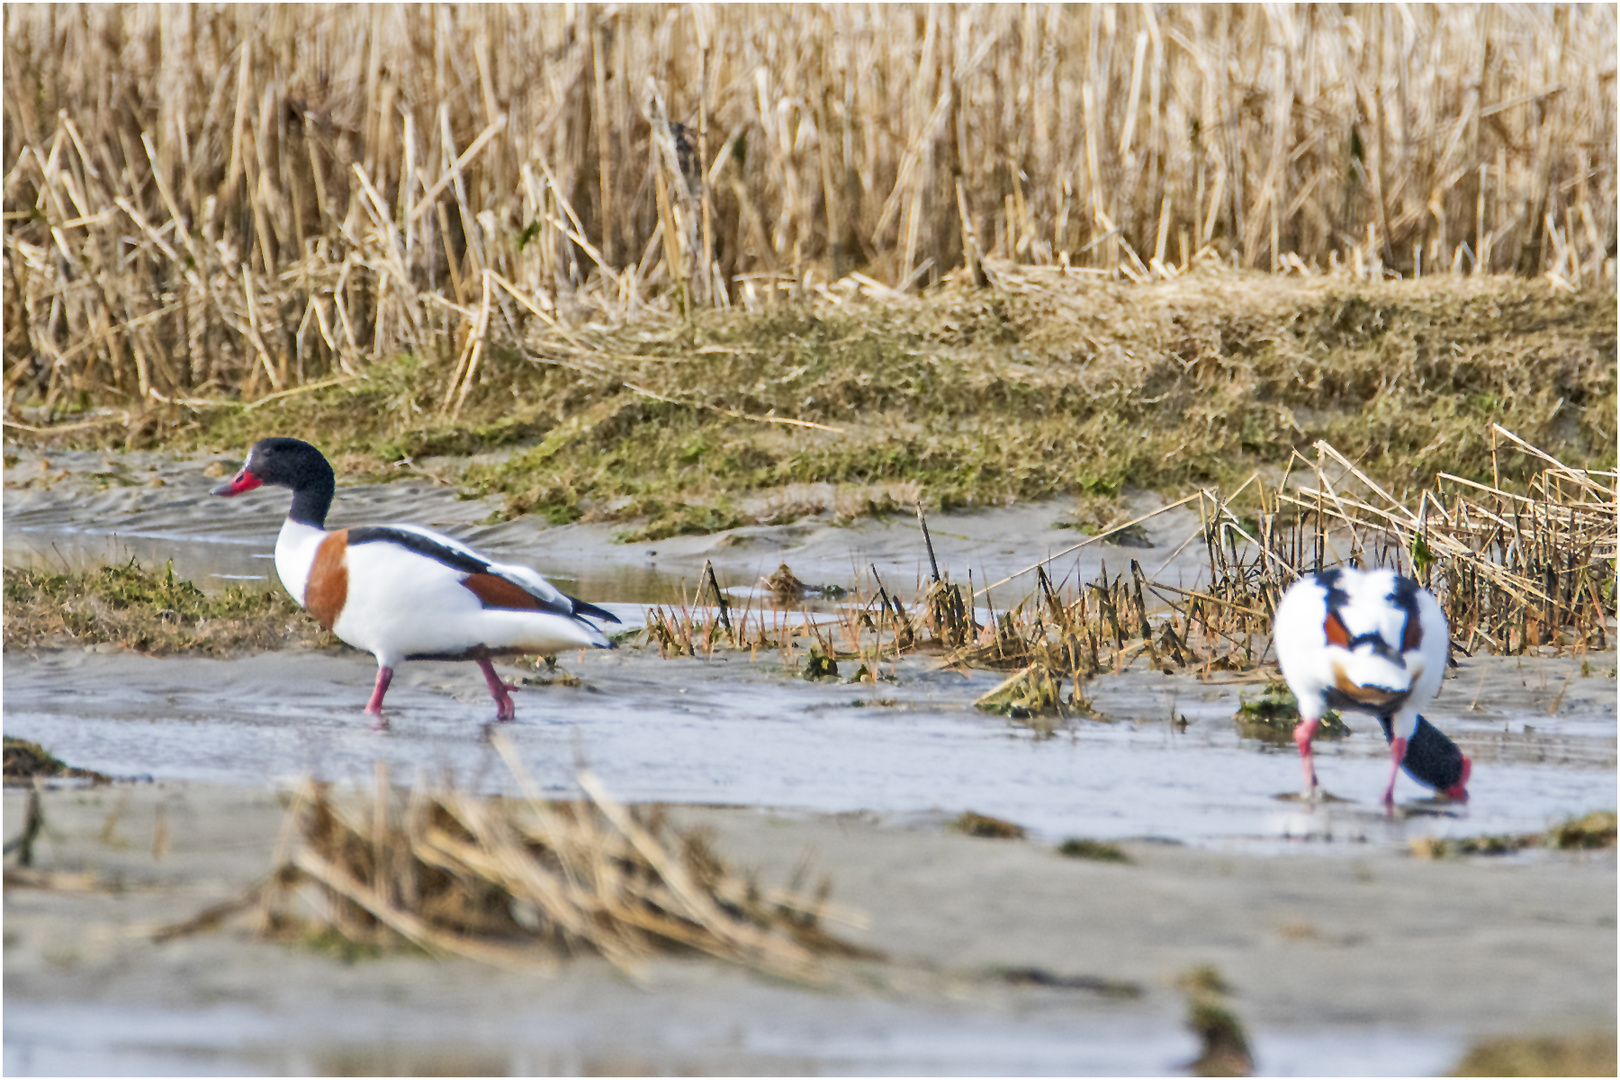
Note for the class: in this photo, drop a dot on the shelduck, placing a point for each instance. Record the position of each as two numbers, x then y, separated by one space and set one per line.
1373 642
401 592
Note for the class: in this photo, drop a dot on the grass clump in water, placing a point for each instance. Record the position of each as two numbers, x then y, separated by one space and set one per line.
1548 1055
147 611
1095 850
983 825
1273 716
25 760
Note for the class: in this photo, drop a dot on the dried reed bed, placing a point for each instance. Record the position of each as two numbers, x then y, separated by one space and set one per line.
236 200
518 882
1514 570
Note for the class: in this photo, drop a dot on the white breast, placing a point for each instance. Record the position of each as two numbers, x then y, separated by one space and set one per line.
295 554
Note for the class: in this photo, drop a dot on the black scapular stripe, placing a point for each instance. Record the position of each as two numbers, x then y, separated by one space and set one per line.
1431 758
422 545
466 564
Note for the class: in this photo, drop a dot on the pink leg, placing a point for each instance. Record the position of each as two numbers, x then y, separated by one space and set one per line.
504 709
1397 754
1302 739
1459 790
385 675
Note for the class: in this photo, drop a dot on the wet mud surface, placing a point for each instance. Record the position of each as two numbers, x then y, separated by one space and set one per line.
1369 961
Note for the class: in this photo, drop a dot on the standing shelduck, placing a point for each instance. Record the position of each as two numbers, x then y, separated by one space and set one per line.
405 593
1373 642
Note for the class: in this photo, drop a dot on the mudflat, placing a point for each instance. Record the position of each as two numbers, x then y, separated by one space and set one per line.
1361 959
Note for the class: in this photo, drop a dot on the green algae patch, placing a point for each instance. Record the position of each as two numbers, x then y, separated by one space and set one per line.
148 611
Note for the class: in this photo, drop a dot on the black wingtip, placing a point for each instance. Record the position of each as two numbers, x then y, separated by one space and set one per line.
591 611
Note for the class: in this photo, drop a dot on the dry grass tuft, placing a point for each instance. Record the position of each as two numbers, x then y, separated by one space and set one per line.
1594 830
1514 570
524 881
1223 1042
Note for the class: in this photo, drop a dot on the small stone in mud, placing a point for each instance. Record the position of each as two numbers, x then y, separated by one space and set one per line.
986 826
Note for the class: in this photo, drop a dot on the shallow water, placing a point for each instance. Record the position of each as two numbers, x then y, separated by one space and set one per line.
807 1035
735 732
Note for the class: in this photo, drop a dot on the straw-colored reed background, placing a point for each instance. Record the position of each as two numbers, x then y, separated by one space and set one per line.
204 200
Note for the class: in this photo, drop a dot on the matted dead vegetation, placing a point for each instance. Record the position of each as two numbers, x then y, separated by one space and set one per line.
235 203
522 882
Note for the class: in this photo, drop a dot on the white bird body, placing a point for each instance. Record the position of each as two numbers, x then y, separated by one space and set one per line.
1374 642
402 592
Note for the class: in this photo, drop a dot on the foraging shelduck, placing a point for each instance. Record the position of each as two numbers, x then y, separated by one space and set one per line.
406 593
1375 642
